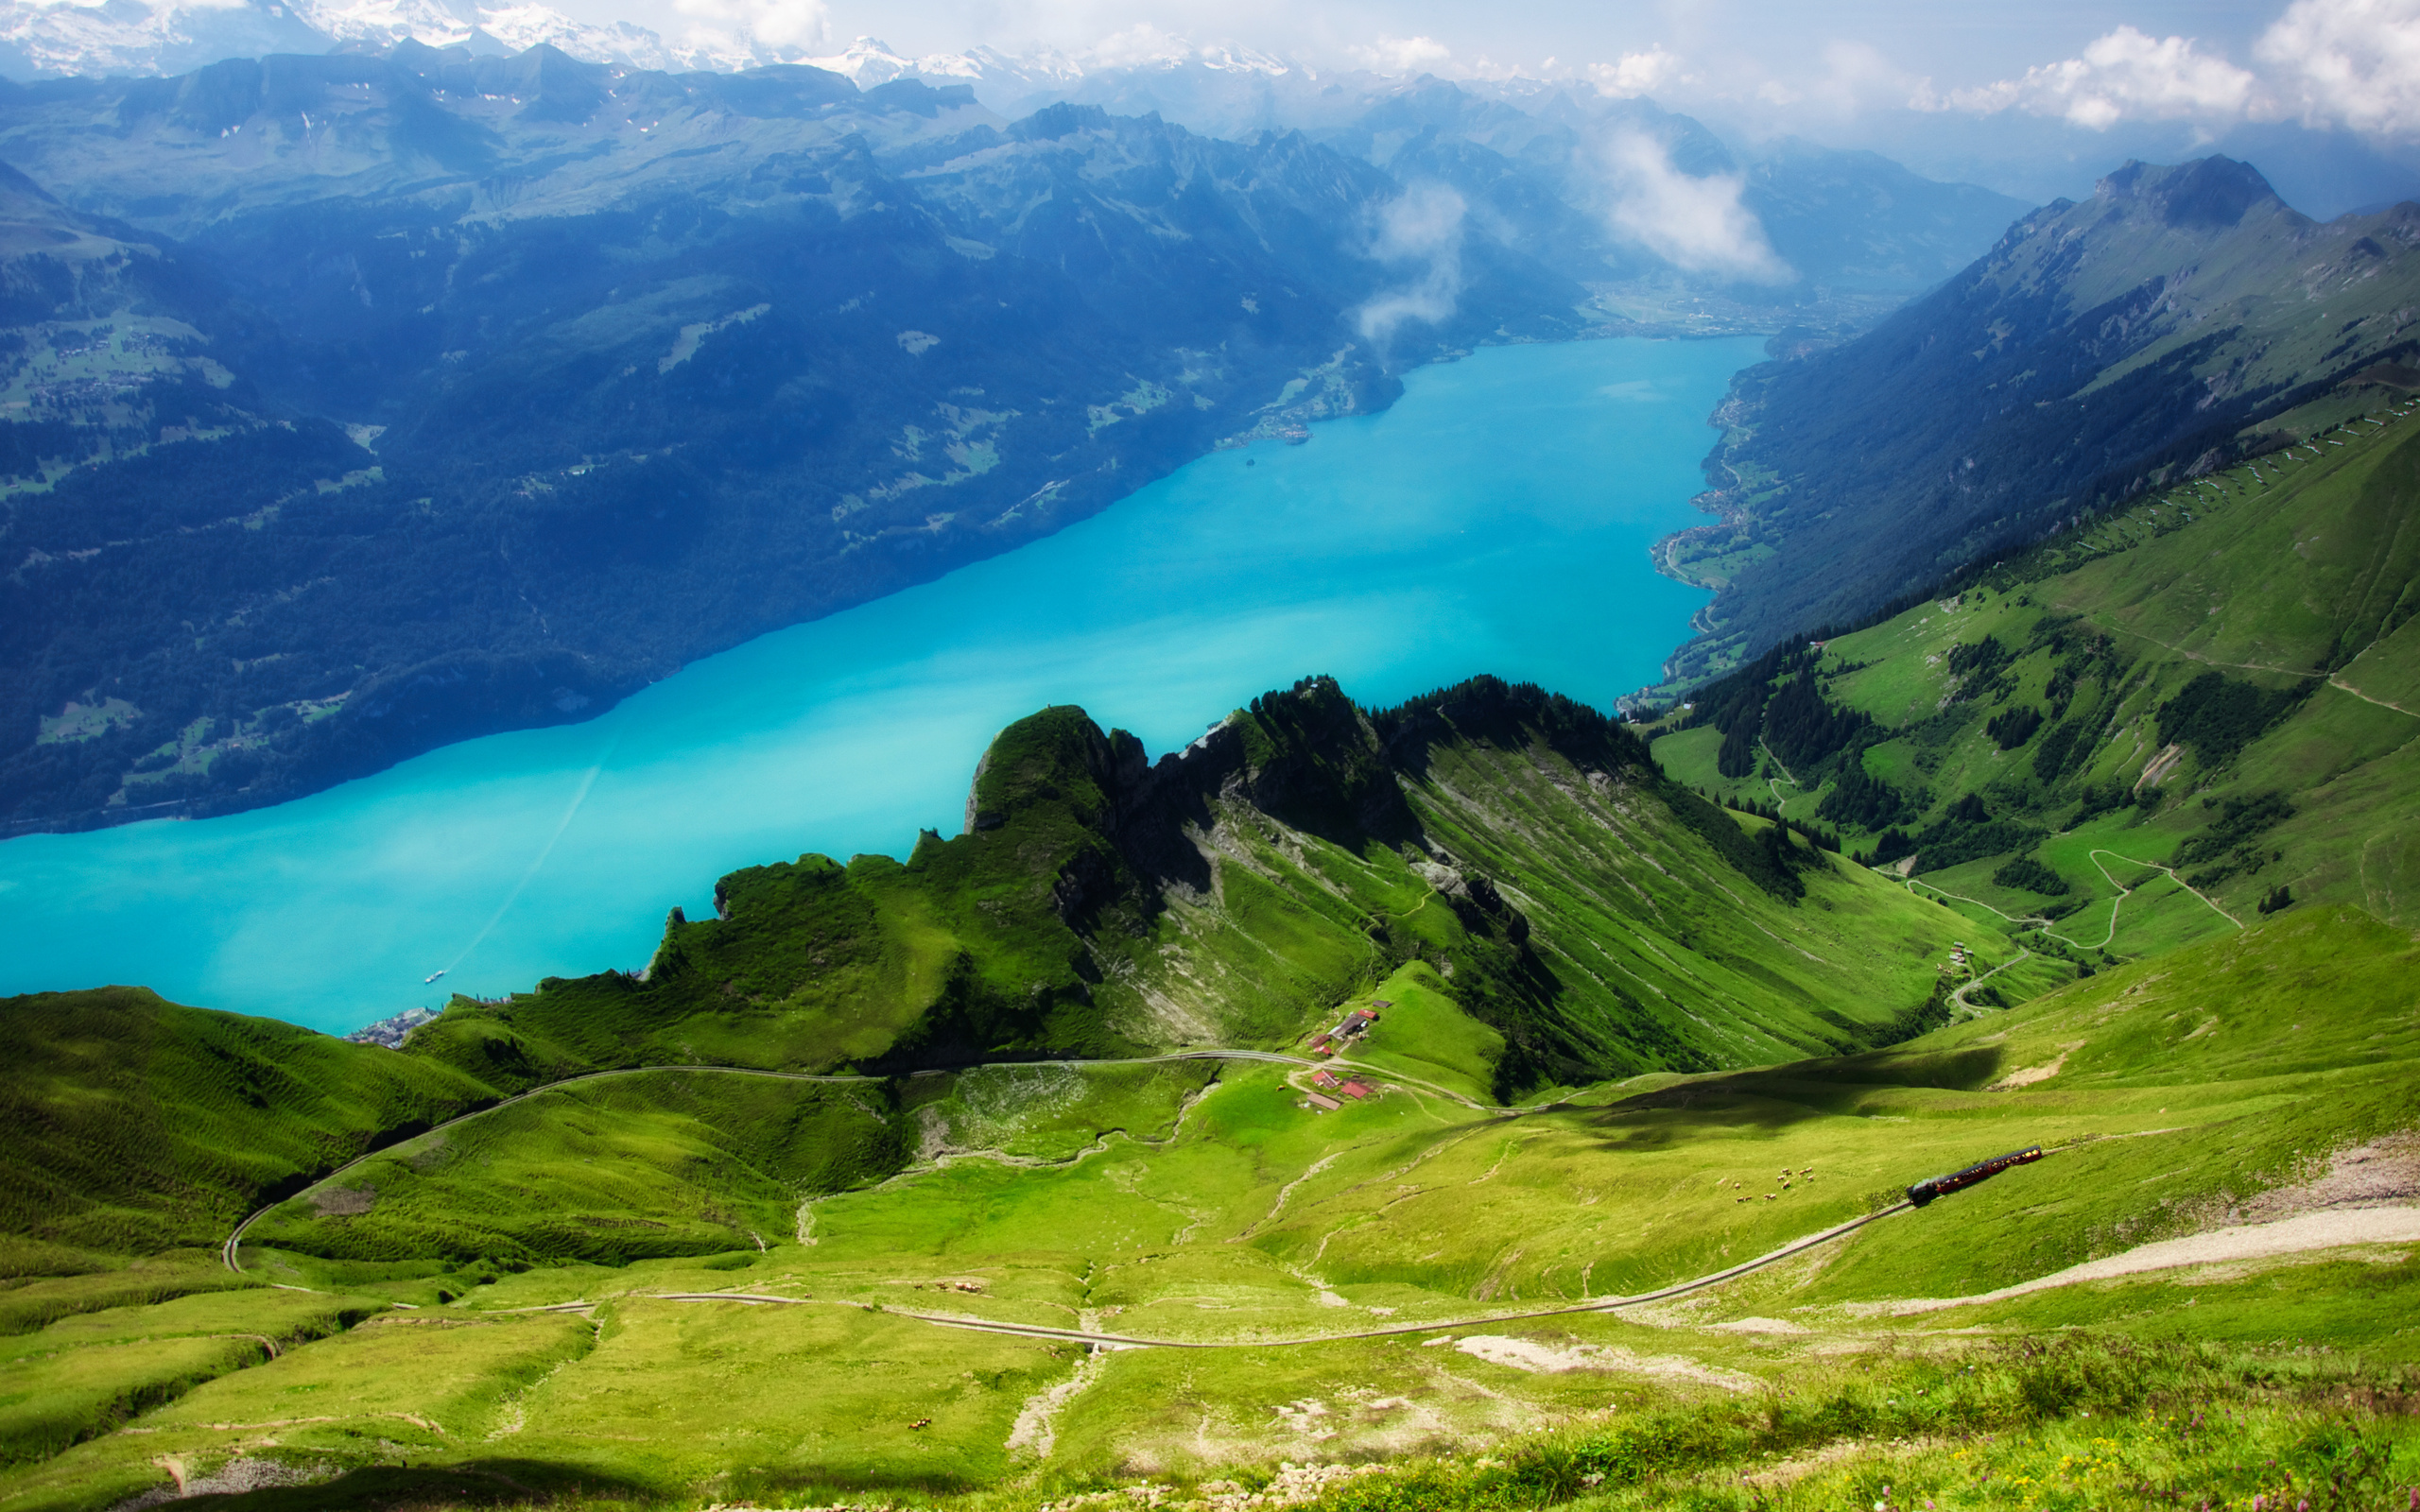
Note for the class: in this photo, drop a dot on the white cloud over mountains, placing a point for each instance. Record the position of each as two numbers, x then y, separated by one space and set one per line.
1421 231
2123 74
1762 68
2351 63
1636 74
1402 54
784 26
1696 224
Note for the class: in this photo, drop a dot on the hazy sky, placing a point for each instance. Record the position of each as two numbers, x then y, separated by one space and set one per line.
2035 96
2139 57
1958 42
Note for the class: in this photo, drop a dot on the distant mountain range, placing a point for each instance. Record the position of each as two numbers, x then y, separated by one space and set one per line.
2104 348
363 402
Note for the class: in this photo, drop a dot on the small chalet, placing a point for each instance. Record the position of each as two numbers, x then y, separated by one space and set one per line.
1357 1088
1352 1023
1325 1105
1324 1078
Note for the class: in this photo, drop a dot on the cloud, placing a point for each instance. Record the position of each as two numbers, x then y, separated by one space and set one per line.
784 26
1422 228
1697 225
1138 45
2350 62
1403 54
1636 74
2121 75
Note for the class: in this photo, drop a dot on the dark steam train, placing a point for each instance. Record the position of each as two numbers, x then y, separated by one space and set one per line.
1939 1186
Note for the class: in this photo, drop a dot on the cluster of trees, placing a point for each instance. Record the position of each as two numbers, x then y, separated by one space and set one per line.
1778 700
1865 800
2228 842
2011 728
1821 839
1967 831
1984 666
2028 874
1803 728
2218 715
2063 745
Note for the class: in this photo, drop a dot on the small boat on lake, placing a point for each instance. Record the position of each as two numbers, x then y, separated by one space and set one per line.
432 976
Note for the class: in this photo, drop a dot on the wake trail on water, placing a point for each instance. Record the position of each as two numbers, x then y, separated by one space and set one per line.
570 812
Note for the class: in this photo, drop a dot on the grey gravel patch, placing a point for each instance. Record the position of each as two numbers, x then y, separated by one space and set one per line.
2384 1172
343 1202
230 1479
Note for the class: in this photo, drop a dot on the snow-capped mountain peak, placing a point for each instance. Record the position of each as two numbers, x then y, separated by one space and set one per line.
151 37
174 36
869 62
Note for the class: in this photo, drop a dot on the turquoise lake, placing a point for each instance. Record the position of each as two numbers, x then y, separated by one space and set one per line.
1496 519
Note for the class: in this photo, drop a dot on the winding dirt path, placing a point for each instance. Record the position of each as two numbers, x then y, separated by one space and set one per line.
1127 1341
2041 925
2252 1241
229 1251
1958 997
2125 892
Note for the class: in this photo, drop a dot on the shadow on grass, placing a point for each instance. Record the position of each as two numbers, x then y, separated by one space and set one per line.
513 1483
530 1482
1773 1098
808 1487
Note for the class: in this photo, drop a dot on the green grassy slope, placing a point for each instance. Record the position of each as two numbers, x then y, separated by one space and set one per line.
2206 680
2223 1082
716 1162
135 1124
1683 1002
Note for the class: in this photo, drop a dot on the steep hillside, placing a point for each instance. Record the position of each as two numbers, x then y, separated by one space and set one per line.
547 378
2157 724
2100 348
137 1126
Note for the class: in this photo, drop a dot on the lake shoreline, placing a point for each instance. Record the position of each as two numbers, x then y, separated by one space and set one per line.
1499 518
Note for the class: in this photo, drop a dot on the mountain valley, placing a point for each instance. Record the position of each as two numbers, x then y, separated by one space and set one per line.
1952 1042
